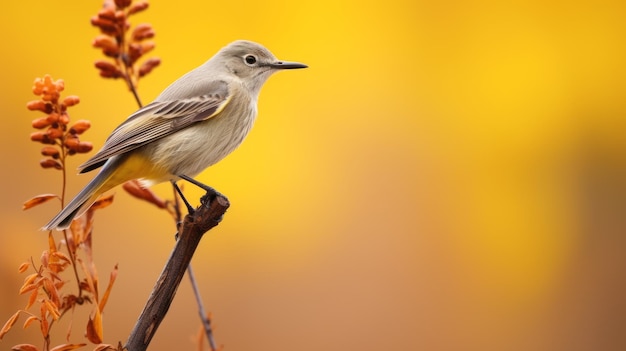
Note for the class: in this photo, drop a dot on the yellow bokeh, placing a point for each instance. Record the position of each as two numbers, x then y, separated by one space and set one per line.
444 175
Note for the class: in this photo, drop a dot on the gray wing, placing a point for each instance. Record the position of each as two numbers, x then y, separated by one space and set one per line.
157 120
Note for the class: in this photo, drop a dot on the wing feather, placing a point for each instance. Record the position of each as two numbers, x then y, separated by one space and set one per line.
157 120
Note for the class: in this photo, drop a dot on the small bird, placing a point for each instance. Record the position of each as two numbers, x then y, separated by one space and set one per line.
194 123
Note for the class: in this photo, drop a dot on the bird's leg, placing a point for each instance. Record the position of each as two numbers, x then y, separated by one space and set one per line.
190 208
212 192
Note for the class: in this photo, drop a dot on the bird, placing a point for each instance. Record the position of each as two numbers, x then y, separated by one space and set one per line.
194 123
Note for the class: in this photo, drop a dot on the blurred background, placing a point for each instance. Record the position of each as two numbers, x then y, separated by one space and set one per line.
445 175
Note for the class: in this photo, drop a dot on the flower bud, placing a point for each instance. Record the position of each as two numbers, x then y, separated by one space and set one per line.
148 66
84 147
64 119
54 133
80 127
41 123
137 7
142 31
50 151
122 4
107 13
38 136
53 118
39 105
50 163
71 100
71 142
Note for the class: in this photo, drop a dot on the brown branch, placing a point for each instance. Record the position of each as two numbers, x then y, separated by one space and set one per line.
207 216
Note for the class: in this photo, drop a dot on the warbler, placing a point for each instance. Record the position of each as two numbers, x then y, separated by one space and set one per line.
194 123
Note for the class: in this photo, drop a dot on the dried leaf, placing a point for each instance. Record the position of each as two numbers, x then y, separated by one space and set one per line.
44 326
48 284
135 189
104 347
67 347
102 203
23 267
30 278
32 299
91 284
24 347
52 245
62 256
94 327
28 287
105 297
7 326
38 200
29 321
52 309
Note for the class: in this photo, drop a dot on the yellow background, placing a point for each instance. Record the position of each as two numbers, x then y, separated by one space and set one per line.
445 175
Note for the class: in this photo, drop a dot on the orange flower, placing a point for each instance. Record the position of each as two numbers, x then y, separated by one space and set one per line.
54 125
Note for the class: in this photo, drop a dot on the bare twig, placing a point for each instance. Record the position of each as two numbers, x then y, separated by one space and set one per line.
208 215
206 321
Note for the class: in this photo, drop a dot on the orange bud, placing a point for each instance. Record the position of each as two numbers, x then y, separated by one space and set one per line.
40 123
71 142
54 133
53 118
106 66
71 100
120 16
64 119
122 4
39 105
59 85
109 74
142 31
47 80
137 7
50 151
50 163
84 147
106 26
52 96
80 126
38 136
107 13
149 65
105 42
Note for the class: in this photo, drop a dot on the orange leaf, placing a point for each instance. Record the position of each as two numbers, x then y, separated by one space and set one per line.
89 278
24 347
104 347
135 189
102 203
29 321
105 297
28 287
38 200
52 245
30 278
48 284
7 326
94 328
23 267
67 347
44 326
32 298
52 309
60 255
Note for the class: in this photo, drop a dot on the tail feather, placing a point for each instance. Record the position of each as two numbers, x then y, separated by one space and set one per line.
85 198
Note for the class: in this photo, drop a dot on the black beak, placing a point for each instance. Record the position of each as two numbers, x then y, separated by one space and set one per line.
287 65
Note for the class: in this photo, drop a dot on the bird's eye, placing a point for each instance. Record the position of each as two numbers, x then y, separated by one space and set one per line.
250 60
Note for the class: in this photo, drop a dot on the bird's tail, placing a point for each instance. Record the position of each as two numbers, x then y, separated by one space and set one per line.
85 198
